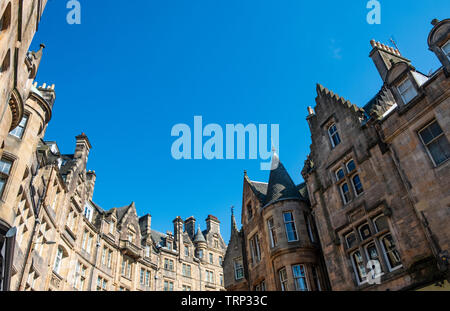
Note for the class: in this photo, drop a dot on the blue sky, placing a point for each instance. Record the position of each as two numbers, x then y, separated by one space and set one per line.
134 69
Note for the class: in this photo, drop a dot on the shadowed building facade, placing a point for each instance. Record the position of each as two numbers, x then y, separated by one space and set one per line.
377 190
277 247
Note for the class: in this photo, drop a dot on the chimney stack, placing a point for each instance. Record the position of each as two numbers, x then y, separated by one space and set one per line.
189 226
83 146
384 57
212 224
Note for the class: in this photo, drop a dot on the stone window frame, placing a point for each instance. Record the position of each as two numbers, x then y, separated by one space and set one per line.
126 269
272 232
211 258
210 276
348 179
410 87
170 286
361 245
260 286
186 288
304 276
239 267
102 283
7 157
170 264
335 133
255 245
295 226
144 277
21 128
425 146
249 209
186 270
309 227
284 286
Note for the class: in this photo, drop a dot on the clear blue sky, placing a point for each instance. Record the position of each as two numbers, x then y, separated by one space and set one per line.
133 69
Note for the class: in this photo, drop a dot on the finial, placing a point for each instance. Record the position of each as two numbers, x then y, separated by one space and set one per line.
232 210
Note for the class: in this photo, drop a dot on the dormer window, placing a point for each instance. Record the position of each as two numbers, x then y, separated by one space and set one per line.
334 135
446 49
407 91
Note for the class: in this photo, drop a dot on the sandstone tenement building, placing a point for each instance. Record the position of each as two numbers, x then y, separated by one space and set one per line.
52 235
19 21
375 208
64 241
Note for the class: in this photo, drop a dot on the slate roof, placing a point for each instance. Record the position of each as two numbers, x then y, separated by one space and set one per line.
379 104
199 237
158 237
280 186
68 163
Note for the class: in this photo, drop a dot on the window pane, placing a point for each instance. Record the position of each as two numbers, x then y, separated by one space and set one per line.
351 240
440 149
5 166
364 231
381 223
359 266
357 184
351 166
339 174
298 272
426 135
391 252
287 217
404 86
446 49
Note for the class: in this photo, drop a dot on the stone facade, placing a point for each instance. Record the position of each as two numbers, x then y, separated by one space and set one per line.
277 247
64 241
52 235
377 185
378 176
18 67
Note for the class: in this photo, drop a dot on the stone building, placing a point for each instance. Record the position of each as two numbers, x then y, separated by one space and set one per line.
377 185
277 247
18 67
378 176
65 241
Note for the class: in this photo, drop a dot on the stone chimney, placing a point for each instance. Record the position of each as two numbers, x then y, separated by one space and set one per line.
213 224
189 226
384 57
145 223
83 146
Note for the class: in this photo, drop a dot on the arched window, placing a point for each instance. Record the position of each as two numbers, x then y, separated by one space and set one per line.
334 135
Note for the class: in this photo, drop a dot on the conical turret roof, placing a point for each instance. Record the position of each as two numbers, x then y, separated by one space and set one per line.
199 237
281 186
